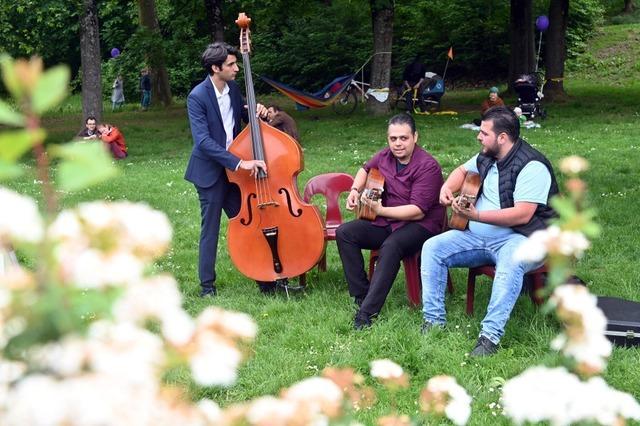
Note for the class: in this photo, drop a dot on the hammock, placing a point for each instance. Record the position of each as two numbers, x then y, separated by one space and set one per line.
320 99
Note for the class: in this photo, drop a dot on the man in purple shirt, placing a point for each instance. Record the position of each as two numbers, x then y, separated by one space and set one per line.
406 216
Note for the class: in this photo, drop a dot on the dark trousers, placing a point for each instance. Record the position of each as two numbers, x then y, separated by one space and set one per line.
356 235
221 196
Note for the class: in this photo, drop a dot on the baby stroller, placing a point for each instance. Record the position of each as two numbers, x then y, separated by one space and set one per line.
433 91
529 96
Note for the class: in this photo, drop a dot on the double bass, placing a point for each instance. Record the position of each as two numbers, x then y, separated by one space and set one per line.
276 235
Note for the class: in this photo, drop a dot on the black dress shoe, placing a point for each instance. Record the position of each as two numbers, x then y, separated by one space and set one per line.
208 291
361 321
484 347
267 287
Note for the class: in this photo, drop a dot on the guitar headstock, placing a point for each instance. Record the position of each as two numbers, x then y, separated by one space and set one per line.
243 22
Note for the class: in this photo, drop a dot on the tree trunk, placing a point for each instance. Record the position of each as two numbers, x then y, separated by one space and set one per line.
522 57
382 19
160 89
629 6
556 49
214 19
90 60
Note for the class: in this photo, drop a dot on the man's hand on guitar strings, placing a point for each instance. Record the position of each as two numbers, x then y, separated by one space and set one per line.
446 196
470 213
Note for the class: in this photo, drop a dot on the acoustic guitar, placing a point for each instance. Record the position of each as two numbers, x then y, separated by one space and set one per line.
373 189
467 197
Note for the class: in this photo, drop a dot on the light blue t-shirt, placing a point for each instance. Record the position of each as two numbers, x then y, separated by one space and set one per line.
532 186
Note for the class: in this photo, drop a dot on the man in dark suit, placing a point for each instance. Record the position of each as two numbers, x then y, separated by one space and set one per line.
216 108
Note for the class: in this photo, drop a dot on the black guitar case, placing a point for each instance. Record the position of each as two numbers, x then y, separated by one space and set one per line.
623 320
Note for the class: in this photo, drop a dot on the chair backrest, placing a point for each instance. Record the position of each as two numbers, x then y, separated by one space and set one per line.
330 185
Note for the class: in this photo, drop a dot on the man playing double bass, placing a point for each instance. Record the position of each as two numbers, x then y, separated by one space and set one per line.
406 216
216 109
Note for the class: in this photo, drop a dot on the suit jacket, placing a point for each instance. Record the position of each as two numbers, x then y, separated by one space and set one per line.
209 156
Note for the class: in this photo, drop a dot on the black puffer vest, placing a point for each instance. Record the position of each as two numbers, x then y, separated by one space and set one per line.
508 169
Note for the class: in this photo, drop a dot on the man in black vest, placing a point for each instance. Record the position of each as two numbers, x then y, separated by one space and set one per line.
513 202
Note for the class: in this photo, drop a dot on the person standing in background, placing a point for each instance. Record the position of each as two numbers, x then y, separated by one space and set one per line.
117 97
145 88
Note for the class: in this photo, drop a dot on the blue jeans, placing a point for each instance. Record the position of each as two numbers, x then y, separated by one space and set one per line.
465 249
146 99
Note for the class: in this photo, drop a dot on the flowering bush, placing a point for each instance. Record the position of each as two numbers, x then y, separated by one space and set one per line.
555 394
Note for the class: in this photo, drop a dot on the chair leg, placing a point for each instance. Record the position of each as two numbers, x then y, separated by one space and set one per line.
322 264
303 280
537 284
412 279
449 283
373 259
471 290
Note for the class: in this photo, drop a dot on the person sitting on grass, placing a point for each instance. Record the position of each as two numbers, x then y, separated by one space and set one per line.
114 139
89 131
492 101
282 121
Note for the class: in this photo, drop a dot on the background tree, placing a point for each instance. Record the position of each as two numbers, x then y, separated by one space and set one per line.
556 50
382 26
629 6
213 9
160 89
522 38
90 58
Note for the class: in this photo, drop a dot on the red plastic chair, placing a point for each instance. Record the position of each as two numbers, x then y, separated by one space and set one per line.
412 272
537 279
330 185
412 278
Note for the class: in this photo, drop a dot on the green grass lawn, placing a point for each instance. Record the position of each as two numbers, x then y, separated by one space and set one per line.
299 336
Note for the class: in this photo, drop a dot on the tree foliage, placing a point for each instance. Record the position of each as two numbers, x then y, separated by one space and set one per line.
305 44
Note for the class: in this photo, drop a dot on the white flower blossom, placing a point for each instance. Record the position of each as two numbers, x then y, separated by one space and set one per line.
552 240
573 164
319 394
585 324
20 220
269 410
559 397
444 393
125 351
385 369
215 362
136 306
230 324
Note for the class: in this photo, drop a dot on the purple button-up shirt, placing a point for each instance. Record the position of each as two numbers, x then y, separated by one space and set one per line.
418 183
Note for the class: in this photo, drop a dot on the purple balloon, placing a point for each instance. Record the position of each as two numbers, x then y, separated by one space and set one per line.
115 52
542 23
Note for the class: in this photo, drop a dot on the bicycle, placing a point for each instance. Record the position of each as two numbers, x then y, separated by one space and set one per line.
347 102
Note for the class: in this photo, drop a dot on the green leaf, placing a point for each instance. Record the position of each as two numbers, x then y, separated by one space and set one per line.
14 143
83 165
9 171
9 116
564 207
9 76
50 89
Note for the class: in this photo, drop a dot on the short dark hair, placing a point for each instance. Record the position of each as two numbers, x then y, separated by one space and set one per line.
91 117
275 107
215 54
504 121
403 118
